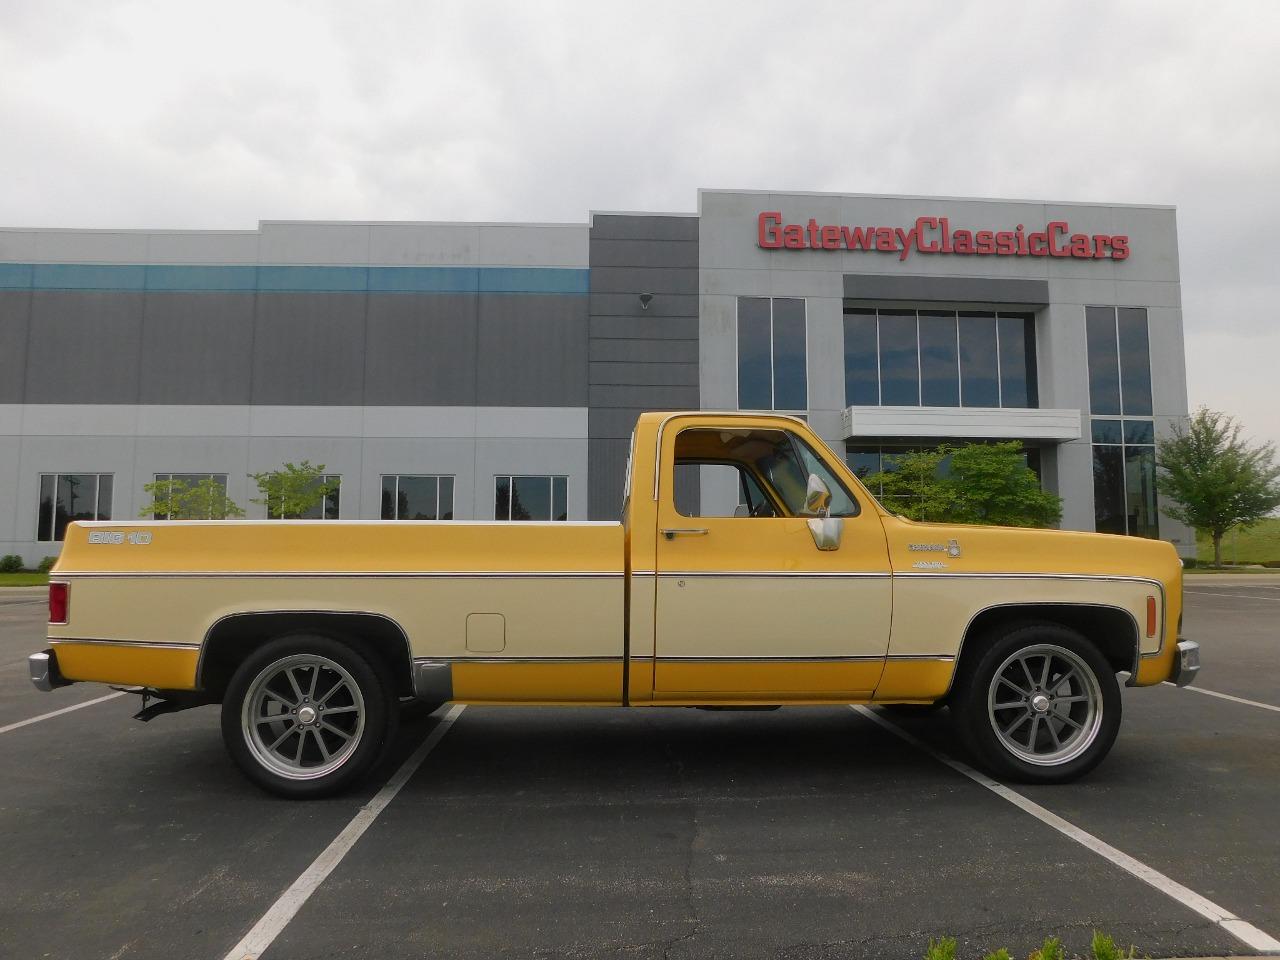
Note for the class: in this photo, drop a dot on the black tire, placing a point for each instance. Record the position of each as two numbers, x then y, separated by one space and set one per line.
1083 706
261 697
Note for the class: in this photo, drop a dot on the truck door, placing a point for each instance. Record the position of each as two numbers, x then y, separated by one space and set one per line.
748 607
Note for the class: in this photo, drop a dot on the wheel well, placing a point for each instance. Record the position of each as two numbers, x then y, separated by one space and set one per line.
233 638
1111 629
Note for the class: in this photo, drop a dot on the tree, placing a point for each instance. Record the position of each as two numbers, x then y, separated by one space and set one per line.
974 483
293 490
181 500
1216 479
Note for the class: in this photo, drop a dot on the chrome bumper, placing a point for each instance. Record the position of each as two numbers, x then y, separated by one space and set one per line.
43 669
1187 663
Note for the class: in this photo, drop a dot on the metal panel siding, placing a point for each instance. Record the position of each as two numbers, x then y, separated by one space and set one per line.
83 347
421 349
15 323
641 358
197 348
864 286
621 226
645 351
309 349
644 280
532 351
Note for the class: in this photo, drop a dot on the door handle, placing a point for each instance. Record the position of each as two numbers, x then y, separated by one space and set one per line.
674 532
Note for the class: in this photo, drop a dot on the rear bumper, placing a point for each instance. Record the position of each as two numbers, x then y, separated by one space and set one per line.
1186 663
43 670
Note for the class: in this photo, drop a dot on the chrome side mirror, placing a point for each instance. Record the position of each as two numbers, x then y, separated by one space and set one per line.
817 497
826 529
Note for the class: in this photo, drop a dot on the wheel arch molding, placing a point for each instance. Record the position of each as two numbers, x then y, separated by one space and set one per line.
1112 629
231 638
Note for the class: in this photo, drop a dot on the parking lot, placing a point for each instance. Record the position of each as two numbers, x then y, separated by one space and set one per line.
643 834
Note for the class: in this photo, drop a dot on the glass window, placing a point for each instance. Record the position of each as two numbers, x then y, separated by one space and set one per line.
778 465
1135 362
327 508
725 490
417 497
772 369
1104 369
1018 387
861 359
190 480
1108 489
863 461
1106 431
755 360
1140 491
939 370
979 383
65 497
1140 431
530 498
899 359
790 384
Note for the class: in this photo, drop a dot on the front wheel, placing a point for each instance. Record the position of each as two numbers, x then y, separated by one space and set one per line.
306 716
1040 705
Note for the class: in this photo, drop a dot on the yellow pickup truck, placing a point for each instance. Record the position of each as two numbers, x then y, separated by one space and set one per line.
779 580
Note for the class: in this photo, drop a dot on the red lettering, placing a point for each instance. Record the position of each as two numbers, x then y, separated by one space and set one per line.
885 240
963 240
1055 228
1101 243
793 236
921 224
1022 240
1081 246
767 230
830 238
1037 243
986 242
907 238
1120 248
945 225
1006 243
858 238
814 240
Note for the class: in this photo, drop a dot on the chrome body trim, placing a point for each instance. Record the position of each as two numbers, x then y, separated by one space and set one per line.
148 644
204 643
345 575
1187 663
611 658
433 680
42 668
770 574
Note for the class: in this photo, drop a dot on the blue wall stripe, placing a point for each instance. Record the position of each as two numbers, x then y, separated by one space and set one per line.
280 278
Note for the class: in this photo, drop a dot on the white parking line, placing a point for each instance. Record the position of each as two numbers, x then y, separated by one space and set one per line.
1242 930
58 713
1235 596
1227 696
284 909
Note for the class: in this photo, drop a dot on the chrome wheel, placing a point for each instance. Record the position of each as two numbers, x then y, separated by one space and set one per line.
1045 704
303 716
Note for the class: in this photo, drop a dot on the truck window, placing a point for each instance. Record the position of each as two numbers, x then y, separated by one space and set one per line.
750 473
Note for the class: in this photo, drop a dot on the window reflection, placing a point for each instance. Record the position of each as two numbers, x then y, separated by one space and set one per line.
524 498
772 365
417 497
979 384
66 497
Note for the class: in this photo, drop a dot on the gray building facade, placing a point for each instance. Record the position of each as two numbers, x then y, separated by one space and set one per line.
495 371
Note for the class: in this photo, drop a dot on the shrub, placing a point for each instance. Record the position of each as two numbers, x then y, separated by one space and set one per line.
942 949
1104 948
10 563
47 564
1190 563
1051 949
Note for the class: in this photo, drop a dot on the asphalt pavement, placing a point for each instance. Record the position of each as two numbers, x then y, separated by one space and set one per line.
657 833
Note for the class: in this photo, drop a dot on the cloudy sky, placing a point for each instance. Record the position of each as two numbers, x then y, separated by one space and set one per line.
209 115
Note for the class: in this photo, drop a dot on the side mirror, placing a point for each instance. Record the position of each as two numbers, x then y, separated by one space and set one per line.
826 529
817 497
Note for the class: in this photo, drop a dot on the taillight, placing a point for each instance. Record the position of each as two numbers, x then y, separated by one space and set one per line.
59 601
1151 616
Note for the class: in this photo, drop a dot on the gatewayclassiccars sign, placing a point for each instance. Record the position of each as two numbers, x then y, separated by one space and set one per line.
935 235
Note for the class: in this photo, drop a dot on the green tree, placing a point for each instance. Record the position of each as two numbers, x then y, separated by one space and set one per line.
293 490
1213 479
974 483
182 500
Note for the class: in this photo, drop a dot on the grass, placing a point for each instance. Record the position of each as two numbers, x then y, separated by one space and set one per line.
1258 544
23 579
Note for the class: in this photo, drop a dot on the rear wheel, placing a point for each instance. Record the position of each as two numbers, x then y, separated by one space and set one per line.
1041 705
307 716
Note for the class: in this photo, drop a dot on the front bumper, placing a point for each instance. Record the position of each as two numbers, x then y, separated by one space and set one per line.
1186 663
43 669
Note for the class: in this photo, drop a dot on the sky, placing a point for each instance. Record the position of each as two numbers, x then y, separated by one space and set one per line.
204 115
